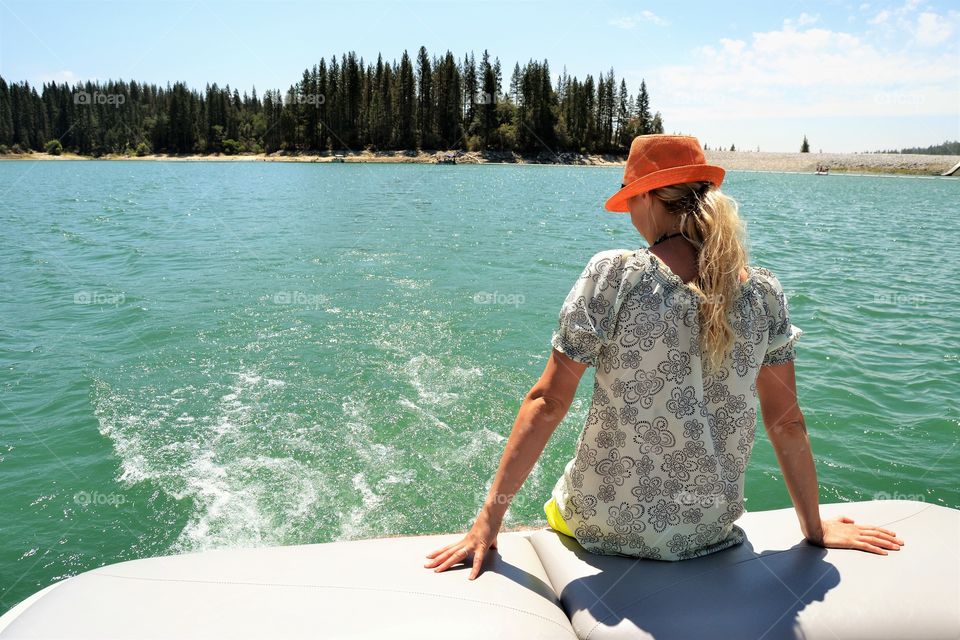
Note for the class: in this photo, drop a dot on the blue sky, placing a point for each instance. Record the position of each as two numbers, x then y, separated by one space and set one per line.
852 76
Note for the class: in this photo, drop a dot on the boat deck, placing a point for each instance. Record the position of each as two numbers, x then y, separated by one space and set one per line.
537 584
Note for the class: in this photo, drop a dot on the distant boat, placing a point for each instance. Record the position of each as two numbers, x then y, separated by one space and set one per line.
338 157
822 170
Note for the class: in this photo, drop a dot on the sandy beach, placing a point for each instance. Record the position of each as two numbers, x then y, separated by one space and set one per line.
897 163
868 163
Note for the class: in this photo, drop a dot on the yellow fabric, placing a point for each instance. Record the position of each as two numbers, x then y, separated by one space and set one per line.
554 519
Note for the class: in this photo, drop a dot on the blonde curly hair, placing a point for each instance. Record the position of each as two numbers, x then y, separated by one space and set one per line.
710 220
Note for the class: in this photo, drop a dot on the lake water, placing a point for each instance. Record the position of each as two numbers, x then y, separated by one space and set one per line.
198 355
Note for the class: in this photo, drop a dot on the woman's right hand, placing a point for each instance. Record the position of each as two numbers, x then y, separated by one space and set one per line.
843 533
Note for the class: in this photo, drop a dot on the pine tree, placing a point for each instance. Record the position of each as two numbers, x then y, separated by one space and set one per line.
643 110
323 97
375 121
405 105
590 120
515 84
352 96
335 107
623 117
656 125
6 115
425 134
448 113
469 89
488 97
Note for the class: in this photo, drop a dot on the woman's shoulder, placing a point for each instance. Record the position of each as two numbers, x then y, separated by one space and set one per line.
613 257
609 269
770 293
611 263
765 278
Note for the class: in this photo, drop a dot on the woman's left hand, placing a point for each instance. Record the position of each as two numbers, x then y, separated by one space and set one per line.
481 537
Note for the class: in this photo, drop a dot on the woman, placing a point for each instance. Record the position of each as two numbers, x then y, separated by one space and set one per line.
684 335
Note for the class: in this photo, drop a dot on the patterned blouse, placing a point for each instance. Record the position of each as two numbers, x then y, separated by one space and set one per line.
658 470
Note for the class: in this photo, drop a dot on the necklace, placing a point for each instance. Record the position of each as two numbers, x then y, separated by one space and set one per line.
666 237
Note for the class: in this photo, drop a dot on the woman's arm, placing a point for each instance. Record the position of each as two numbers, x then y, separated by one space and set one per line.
542 409
783 420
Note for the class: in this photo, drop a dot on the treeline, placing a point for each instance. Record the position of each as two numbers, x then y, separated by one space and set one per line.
344 104
947 148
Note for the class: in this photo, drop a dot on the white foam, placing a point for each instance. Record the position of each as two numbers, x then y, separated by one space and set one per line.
248 379
491 435
425 413
237 499
356 522
437 384
407 283
404 476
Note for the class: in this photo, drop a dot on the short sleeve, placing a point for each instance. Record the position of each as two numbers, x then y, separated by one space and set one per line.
783 334
586 319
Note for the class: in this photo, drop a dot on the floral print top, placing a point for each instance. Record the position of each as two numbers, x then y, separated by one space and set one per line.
658 470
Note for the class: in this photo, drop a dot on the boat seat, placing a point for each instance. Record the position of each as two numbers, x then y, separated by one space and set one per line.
775 584
772 586
356 589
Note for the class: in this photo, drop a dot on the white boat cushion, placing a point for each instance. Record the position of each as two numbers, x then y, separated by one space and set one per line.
774 585
359 589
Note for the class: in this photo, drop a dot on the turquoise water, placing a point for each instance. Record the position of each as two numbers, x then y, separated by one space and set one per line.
198 355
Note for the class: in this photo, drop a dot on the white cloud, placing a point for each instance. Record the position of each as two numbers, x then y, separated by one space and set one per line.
803 20
902 12
734 47
927 28
932 28
870 87
911 5
635 20
807 73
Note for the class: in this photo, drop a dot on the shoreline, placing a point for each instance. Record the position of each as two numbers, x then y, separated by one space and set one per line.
762 161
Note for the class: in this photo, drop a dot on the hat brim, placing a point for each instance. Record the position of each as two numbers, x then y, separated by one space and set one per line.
674 175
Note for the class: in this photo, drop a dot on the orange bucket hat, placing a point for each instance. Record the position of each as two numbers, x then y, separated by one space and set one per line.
659 160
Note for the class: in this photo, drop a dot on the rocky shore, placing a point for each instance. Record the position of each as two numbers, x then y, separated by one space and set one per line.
870 163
